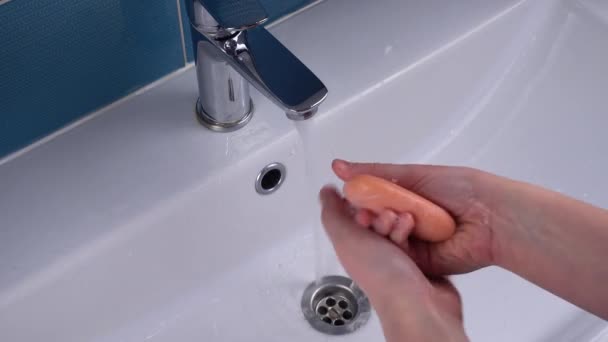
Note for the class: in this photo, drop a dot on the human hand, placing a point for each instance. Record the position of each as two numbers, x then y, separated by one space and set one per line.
543 236
410 306
465 193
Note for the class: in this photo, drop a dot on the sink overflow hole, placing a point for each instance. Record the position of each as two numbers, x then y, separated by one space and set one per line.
270 178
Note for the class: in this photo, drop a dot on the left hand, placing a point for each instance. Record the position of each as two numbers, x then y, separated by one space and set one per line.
411 306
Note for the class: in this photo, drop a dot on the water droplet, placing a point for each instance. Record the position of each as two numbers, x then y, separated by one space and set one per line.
388 49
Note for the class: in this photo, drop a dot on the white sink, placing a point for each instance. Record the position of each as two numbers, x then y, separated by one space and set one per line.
140 225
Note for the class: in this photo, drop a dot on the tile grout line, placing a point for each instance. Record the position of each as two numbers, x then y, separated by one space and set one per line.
181 31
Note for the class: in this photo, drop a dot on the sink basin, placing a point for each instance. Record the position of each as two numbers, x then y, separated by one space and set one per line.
140 225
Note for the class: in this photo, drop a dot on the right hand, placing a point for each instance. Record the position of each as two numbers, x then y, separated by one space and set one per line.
411 306
543 236
465 193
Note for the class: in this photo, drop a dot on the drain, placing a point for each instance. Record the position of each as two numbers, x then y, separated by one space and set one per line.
335 305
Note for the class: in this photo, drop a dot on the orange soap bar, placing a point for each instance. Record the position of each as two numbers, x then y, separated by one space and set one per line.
433 223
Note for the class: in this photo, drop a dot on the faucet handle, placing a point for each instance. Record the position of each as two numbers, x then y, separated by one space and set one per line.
225 17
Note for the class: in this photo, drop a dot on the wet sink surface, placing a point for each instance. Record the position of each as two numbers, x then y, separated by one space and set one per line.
139 225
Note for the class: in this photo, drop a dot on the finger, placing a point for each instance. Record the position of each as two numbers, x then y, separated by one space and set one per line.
359 250
339 223
380 267
404 175
402 229
364 217
384 222
334 212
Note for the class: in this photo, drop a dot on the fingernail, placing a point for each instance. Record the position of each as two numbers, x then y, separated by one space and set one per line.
325 191
327 188
340 164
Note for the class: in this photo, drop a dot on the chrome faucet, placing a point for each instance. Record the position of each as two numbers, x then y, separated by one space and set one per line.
232 49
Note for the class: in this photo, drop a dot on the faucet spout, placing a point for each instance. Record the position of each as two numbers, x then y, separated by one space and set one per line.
230 58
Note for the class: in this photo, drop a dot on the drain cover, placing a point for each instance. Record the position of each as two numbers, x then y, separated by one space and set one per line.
335 305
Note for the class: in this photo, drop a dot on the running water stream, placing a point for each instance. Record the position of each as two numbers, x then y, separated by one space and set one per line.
322 247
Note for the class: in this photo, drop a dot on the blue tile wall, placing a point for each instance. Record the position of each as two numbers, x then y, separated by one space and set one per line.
61 59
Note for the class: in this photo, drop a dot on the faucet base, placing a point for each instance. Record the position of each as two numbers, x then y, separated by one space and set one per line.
208 121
